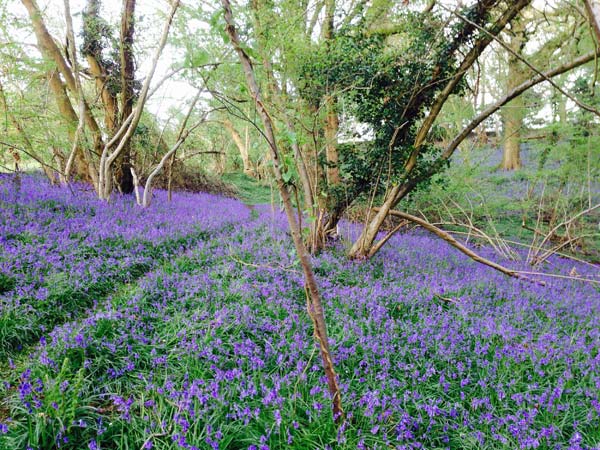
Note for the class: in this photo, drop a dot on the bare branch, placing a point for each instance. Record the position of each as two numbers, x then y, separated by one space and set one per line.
471 254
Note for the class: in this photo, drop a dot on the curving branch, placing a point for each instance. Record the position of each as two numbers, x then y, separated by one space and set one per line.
107 159
518 90
182 135
467 251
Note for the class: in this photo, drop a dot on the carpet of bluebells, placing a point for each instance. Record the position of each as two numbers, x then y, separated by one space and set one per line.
184 327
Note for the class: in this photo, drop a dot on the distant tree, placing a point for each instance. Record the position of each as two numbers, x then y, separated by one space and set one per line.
512 113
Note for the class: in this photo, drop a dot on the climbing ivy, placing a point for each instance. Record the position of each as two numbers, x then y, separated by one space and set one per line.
387 80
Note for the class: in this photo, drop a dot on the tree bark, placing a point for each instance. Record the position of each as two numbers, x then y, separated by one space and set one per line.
93 53
332 125
123 163
512 113
129 124
79 91
277 95
241 145
315 307
182 135
593 9
65 108
332 122
51 52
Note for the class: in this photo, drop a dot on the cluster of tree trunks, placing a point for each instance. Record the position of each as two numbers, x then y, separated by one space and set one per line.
108 158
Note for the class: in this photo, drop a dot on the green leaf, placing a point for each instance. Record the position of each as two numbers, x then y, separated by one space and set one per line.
249 51
197 58
216 17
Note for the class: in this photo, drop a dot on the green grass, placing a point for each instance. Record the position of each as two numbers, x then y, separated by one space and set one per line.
251 191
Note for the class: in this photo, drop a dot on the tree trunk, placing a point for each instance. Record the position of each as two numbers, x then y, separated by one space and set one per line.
562 110
123 163
65 108
277 94
332 125
593 9
237 139
361 249
363 246
315 308
128 126
332 122
512 114
92 50
51 52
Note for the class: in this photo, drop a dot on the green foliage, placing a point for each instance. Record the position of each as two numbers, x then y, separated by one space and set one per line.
387 81
251 191
99 42
7 283
62 411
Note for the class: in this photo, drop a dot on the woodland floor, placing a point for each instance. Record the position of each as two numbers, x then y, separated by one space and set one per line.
184 327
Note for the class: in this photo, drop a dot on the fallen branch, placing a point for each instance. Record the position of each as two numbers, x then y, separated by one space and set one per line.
521 244
471 254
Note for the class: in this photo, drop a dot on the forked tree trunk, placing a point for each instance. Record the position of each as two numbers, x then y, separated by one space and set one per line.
315 308
363 247
128 125
50 51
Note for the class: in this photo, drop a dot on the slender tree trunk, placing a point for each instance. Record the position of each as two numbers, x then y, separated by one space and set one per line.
332 122
65 108
169 178
562 110
277 94
315 307
332 125
240 144
512 114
